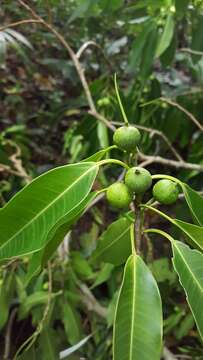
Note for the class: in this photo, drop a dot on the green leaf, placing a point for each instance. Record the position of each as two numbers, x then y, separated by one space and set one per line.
138 320
149 54
54 238
195 203
114 245
194 232
185 326
138 46
102 133
100 154
103 275
189 266
72 323
48 345
7 289
166 36
27 219
35 299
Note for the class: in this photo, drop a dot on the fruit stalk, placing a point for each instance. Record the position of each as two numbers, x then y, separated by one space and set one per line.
138 226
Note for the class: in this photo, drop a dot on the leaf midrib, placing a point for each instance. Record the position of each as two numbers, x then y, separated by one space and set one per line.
133 307
113 242
48 206
195 280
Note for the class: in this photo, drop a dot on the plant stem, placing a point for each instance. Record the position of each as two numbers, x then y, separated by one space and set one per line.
120 102
113 161
138 225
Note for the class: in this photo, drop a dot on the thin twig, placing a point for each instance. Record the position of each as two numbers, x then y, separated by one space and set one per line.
171 163
190 51
90 301
8 334
73 56
185 111
18 23
102 119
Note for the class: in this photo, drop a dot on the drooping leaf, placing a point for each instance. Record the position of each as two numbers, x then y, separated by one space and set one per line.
71 322
138 319
103 275
114 245
138 46
149 54
28 217
194 232
48 347
189 266
195 203
166 36
74 348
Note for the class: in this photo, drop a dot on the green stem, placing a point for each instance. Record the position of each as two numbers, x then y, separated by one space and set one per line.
113 161
160 176
160 232
120 103
132 238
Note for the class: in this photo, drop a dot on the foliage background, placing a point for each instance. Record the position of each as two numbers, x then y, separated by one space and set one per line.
155 47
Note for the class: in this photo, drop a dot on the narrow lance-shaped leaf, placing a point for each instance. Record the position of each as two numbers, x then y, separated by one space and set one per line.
138 319
166 36
194 232
27 219
189 266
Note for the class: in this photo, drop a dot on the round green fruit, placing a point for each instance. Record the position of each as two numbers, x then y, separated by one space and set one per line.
165 191
138 180
118 195
127 138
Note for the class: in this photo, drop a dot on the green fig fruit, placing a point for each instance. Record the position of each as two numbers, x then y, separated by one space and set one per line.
127 138
138 180
118 195
165 191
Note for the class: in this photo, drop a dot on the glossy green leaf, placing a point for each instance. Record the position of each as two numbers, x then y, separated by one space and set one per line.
27 219
138 319
195 203
189 266
166 36
114 245
100 154
194 232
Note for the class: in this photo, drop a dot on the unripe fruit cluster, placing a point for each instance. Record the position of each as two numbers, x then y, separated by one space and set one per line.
137 179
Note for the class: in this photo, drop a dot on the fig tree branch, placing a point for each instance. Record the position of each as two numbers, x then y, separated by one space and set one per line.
171 163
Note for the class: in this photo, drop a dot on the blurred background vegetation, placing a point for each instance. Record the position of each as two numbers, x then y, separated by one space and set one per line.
156 49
